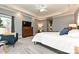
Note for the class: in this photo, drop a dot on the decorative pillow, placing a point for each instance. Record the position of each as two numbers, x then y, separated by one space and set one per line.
64 31
74 33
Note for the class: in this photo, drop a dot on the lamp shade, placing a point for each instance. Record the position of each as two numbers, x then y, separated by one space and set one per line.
40 25
73 25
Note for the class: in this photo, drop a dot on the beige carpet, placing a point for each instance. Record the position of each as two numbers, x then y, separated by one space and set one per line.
25 46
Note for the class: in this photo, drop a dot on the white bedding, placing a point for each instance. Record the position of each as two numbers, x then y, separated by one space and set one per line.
53 39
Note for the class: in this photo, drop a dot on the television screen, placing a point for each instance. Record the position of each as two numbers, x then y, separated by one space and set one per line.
26 23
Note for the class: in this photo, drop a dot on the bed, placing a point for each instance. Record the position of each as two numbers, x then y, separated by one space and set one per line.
65 43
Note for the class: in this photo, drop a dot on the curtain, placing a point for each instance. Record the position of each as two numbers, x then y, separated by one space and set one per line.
13 25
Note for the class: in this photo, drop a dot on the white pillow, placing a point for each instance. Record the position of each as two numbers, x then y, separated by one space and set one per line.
74 33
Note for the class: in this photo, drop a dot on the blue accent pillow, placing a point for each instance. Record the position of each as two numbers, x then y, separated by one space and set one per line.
64 31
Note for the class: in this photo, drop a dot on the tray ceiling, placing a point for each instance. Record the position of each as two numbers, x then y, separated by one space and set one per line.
51 9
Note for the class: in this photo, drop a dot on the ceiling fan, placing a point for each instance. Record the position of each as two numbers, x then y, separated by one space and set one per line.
41 7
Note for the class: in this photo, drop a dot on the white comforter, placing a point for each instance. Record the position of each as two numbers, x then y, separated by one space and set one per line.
53 39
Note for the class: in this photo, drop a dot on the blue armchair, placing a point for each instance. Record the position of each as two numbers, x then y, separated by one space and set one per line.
10 39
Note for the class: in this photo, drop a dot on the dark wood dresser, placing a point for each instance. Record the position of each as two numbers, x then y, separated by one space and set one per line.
27 31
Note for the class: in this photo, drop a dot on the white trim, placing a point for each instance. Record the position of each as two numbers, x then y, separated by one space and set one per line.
13 8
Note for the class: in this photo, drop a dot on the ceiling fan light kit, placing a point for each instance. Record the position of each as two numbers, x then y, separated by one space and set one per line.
42 10
41 7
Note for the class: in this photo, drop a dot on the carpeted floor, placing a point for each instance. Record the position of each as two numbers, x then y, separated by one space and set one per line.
26 46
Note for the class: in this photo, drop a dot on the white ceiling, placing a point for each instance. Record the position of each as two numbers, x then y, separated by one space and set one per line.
52 9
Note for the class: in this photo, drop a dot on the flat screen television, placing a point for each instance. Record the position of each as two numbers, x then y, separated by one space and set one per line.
26 23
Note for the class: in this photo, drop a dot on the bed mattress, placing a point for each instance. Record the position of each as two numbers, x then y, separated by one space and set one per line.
63 43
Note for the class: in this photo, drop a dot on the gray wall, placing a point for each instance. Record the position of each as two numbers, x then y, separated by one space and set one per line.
18 26
18 21
27 18
45 25
58 22
76 15
35 26
61 22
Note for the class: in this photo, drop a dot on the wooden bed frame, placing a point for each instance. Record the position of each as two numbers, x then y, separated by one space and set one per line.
76 49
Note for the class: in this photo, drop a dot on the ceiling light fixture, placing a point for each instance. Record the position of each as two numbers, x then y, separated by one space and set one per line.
42 7
42 10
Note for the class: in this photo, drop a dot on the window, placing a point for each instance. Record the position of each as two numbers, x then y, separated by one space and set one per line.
6 21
